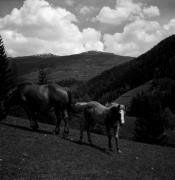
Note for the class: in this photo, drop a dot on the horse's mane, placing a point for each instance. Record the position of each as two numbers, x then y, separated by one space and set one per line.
24 84
14 90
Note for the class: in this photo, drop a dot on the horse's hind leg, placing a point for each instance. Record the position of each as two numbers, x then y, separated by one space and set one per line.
88 134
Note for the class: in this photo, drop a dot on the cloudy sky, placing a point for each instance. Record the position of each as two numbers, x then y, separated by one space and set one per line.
63 27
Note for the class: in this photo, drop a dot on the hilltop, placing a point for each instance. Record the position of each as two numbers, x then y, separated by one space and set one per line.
81 66
40 155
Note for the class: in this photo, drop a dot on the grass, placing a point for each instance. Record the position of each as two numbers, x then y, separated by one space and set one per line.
25 154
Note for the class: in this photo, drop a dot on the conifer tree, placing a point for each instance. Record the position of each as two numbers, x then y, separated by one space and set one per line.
6 77
42 78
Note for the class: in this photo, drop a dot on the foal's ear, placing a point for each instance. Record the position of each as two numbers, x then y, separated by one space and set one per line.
115 109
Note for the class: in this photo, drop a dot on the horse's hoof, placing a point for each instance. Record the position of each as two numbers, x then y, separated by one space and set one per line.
110 150
35 128
79 142
56 132
119 151
91 144
66 132
65 136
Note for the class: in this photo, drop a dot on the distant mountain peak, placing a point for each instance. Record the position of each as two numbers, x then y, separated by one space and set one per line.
45 55
92 52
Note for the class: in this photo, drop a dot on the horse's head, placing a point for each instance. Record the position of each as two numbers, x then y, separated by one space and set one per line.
3 111
6 104
118 112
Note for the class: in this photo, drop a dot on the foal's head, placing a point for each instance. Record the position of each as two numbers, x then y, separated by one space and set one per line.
118 112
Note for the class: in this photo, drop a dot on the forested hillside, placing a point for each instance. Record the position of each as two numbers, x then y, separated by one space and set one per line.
159 61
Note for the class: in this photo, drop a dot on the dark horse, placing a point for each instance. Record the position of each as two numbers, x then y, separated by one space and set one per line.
112 116
34 98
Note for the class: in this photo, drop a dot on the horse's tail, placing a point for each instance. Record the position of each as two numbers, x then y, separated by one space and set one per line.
71 106
69 100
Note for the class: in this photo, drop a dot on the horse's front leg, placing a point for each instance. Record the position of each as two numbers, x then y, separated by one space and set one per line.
32 118
35 123
58 121
116 134
109 138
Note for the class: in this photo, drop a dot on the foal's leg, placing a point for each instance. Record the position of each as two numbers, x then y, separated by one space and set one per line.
66 118
81 132
108 129
116 134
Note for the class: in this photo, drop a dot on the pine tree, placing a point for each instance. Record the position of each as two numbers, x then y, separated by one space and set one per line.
6 77
42 78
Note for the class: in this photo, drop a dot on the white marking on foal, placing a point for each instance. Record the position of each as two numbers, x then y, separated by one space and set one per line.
122 116
66 114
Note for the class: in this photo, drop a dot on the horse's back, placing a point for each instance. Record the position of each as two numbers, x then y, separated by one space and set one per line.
95 110
59 94
96 105
34 91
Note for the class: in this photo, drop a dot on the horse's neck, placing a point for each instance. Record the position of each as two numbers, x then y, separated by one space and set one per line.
11 99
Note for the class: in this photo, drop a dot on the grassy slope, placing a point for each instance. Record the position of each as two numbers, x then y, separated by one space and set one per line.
41 155
79 66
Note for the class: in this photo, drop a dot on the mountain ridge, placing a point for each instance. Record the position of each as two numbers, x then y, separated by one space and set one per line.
81 66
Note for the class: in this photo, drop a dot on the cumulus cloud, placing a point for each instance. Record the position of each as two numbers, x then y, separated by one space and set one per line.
138 37
37 27
91 39
151 11
126 10
139 34
69 2
170 27
87 10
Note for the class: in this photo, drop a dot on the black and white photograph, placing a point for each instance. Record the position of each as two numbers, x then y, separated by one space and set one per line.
87 90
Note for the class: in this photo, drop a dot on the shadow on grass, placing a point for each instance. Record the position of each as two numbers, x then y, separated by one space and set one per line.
27 128
103 150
